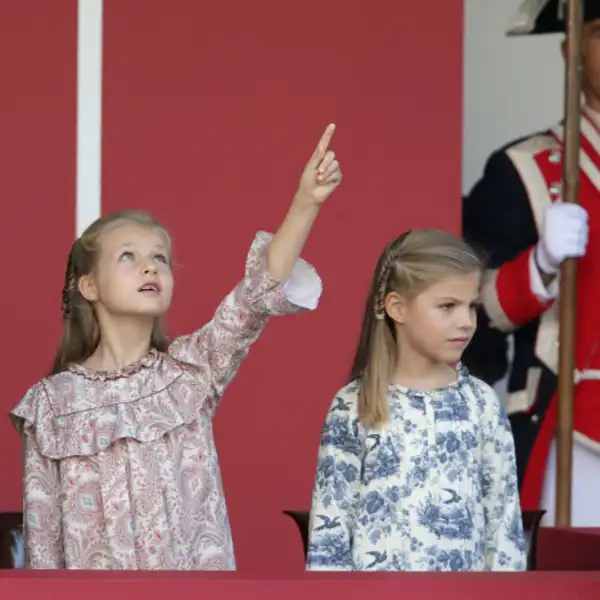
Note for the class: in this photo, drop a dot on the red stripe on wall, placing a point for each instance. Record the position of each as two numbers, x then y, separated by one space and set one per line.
211 110
38 63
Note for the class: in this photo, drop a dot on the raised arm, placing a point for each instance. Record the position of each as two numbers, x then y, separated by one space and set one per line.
318 181
276 281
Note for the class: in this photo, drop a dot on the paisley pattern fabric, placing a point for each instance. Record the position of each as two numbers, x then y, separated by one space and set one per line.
121 470
435 489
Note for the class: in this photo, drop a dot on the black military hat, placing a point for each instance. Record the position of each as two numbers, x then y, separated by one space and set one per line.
547 16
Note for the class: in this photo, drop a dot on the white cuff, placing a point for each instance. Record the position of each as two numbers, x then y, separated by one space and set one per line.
304 287
536 285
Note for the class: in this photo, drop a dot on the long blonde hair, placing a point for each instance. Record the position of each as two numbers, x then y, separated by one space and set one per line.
81 332
408 265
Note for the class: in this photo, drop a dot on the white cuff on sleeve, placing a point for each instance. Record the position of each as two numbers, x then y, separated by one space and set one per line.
544 293
304 287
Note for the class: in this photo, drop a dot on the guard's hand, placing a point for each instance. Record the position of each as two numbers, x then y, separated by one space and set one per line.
564 235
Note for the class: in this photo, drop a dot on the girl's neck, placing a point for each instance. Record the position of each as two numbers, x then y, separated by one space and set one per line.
420 373
122 343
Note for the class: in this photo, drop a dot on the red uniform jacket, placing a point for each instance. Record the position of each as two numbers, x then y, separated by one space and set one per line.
503 216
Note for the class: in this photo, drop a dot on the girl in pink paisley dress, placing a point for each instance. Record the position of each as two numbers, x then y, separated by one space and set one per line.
120 467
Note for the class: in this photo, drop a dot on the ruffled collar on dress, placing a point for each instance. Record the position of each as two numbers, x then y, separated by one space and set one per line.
143 363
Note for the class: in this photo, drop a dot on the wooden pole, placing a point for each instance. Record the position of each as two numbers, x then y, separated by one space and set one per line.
568 282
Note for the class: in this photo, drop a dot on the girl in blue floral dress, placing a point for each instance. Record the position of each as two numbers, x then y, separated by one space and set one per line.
416 467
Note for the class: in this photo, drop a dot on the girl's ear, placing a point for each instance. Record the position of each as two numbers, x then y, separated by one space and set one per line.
87 288
395 307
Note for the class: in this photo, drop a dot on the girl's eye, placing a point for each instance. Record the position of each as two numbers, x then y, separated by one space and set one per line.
448 306
162 258
126 256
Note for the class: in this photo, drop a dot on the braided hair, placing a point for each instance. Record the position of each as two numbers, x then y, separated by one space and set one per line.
408 265
388 262
70 286
81 331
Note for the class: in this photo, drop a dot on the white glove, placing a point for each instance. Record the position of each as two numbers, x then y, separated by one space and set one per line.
564 235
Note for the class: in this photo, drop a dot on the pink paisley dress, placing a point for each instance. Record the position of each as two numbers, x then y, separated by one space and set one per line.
120 468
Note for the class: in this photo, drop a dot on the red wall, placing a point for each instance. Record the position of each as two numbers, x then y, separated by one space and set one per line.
210 111
38 62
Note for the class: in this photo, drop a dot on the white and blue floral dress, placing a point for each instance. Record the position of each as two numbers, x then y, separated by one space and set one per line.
435 489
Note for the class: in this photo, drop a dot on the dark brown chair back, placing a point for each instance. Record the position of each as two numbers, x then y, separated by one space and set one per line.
531 526
11 536
301 518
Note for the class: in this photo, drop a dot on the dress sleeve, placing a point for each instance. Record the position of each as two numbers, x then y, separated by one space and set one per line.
42 522
220 346
504 538
336 491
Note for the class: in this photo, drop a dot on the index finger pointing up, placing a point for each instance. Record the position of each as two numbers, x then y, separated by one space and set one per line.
323 145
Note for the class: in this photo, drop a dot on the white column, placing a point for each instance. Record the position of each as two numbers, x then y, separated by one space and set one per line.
89 113
513 86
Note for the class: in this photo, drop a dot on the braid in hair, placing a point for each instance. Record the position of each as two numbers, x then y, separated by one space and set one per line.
80 333
406 267
392 256
69 287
